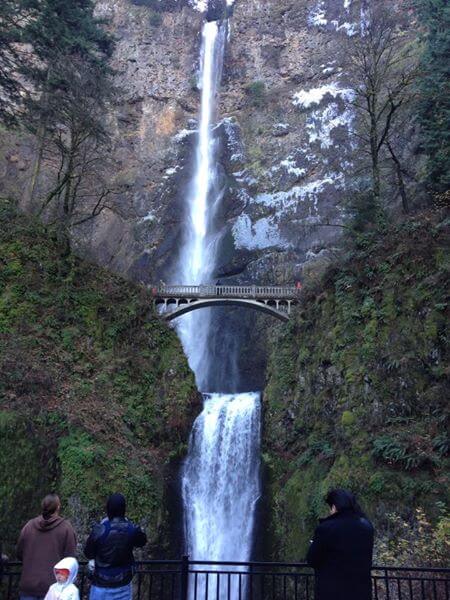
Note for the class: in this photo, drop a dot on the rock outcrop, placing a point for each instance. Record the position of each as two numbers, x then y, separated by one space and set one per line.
285 126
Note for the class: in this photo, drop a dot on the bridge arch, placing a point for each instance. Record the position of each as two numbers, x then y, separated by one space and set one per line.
246 303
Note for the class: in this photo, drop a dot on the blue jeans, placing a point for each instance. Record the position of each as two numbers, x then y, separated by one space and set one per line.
27 597
119 593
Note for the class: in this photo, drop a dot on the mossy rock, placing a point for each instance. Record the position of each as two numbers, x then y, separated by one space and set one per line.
363 368
95 393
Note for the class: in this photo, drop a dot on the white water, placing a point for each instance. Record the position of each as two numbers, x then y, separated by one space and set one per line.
220 477
198 254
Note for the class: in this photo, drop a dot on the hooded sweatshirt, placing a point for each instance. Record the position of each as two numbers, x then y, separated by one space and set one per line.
67 590
42 543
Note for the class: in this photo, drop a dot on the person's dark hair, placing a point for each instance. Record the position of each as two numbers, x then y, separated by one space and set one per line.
116 506
343 500
50 505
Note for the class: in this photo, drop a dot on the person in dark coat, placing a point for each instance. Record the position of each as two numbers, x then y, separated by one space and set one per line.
341 551
111 544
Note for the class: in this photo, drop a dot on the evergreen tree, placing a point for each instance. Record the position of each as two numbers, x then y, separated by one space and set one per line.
435 92
13 16
71 80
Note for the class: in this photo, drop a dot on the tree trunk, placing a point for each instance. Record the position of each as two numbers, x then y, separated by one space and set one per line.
40 136
376 176
400 180
374 150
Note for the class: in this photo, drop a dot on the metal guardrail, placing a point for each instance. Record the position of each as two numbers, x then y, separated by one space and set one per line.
226 291
203 580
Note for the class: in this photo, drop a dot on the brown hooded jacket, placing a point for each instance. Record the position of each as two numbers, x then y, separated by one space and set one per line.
42 543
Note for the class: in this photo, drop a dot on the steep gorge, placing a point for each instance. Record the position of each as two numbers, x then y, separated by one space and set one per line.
286 146
285 158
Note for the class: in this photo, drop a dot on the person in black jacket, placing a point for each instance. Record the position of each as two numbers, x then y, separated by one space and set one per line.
341 551
111 544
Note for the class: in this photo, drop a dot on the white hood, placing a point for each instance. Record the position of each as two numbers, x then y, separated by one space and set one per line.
71 564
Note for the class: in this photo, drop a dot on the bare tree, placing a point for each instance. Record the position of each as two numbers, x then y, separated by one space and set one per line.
382 63
78 147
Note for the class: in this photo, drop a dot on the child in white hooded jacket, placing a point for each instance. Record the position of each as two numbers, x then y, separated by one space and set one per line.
65 574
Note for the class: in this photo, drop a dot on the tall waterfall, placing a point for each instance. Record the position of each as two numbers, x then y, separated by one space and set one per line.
198 254
220 477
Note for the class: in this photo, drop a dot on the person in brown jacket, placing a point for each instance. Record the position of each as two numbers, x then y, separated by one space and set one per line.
43 542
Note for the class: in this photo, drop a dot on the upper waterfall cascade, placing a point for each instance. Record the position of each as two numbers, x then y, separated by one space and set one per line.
220 478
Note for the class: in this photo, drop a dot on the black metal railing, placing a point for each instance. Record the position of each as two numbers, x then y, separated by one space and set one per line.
202 580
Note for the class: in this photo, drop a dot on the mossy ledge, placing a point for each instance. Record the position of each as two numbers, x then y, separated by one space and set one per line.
95 393
357 395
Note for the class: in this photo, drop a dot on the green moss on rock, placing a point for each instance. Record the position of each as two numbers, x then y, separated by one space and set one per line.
95 393
356 394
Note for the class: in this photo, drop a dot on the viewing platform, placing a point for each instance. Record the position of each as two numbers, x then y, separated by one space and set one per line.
178 300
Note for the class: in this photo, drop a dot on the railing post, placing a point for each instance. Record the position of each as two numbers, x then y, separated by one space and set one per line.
184 577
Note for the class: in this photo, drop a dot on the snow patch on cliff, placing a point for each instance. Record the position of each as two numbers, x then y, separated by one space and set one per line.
306 98
318 18
264 232
202 5
291 167
183 134
257 236
281 202
235 146
321 123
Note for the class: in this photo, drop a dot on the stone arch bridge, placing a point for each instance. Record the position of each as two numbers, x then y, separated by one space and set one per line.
178 300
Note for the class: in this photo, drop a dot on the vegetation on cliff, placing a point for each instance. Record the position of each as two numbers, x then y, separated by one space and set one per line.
95 392
435 91
357 394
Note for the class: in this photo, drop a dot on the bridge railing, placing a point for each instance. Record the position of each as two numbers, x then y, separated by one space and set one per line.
226 291
203 580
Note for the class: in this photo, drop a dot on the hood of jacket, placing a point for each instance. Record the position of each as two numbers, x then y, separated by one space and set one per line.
71 564
46 524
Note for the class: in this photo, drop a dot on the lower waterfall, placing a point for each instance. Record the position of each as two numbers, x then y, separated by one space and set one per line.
220 479
221 483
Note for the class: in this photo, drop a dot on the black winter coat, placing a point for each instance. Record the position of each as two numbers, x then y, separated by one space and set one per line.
341 554
111 543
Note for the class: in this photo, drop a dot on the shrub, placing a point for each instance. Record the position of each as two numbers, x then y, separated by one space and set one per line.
348 418
257 92
155 19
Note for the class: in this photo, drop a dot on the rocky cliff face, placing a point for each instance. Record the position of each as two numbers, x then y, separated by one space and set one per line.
284 124
285 127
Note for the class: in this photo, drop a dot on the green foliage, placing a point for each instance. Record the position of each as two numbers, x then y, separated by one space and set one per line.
155 19
95 393
256 90
402 451
357 385
435 91
27 471
67 70
415 542
348 418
